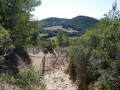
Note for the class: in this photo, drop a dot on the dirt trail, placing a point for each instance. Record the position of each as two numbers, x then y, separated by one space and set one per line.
55 78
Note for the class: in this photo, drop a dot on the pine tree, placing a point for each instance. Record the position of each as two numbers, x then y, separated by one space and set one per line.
113 14
15 17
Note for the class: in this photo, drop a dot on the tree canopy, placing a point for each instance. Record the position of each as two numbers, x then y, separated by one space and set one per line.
15 16
113 14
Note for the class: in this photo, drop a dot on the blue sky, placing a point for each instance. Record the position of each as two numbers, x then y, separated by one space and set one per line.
73 8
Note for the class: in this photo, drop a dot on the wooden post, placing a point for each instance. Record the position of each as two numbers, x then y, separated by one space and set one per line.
67 56
43 65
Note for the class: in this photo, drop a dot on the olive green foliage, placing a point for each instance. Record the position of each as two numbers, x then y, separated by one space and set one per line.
16 29
80 23
95 56
17 32
62 39
67 41
34 38
5 43
15 17
48 46
113 14
26 79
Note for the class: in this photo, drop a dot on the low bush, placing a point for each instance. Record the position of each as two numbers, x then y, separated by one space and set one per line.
26 79
95 56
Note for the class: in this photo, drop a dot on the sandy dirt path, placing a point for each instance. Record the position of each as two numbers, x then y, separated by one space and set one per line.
55 78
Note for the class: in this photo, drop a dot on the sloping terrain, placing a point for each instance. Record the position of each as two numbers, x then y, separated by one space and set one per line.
79 23
54 21
55 77
71 27
60 28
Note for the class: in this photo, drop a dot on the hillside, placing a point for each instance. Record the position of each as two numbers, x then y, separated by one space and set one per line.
78 24
54 21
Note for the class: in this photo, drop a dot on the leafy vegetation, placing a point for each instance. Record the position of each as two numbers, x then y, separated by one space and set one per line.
62 39
17 33
80 23
95 56
19 30
15 17
5 43
113 14
53 21
26 79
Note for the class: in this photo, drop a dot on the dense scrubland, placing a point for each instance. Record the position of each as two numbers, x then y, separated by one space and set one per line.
94 57
94 52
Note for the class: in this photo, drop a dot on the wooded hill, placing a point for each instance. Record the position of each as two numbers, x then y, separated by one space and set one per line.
79 23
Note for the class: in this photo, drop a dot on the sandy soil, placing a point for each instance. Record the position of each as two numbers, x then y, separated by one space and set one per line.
55 78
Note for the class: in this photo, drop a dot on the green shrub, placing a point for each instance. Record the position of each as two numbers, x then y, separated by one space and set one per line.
96 55
48 46
5 43
26 79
